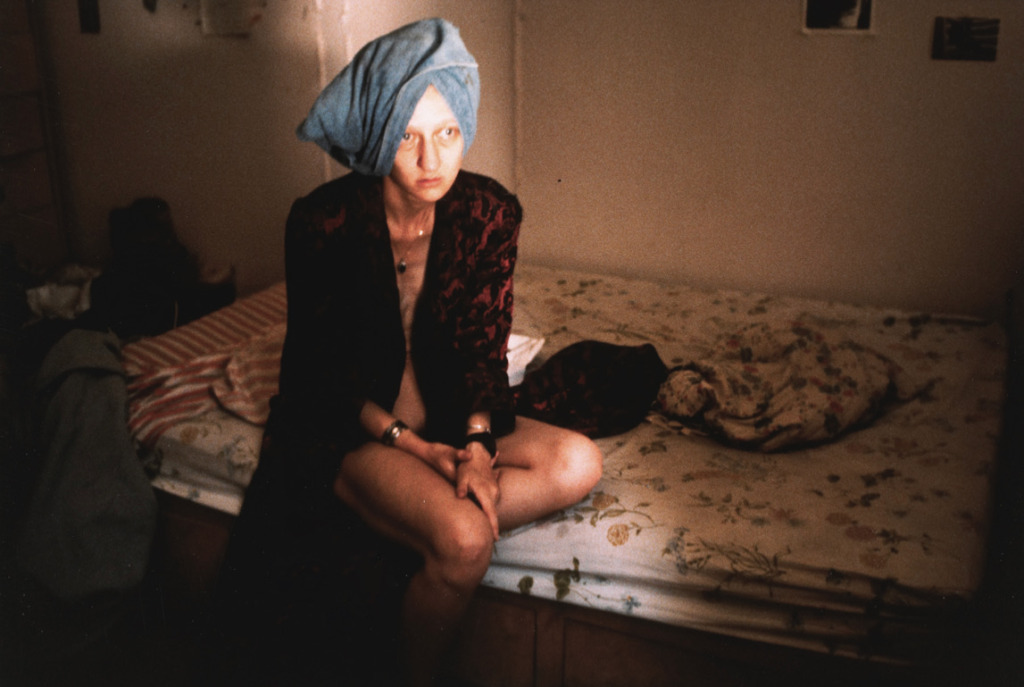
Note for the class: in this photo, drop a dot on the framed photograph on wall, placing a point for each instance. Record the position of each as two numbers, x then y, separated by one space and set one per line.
842 16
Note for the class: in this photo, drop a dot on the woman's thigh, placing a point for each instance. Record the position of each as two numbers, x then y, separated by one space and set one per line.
543 468
404 499
536 445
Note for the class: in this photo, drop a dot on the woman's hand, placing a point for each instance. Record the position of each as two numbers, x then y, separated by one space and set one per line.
476 478
443 458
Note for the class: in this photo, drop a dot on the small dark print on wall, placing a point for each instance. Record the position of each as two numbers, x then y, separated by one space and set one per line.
848 15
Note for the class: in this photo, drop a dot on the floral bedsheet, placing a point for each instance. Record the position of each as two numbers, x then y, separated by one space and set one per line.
864 545
208 458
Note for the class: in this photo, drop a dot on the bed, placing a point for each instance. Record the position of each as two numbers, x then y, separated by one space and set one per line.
709 550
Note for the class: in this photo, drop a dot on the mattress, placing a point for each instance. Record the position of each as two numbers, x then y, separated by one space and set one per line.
867 545
198 398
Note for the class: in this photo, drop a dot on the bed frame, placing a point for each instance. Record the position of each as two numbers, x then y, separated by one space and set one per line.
514 640
510 640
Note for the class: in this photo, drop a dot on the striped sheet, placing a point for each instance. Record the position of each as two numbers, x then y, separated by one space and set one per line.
228 359
242 320
250 377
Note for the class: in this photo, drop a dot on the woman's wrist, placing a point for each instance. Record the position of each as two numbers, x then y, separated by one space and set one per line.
478 423
399 435
486 440
478 431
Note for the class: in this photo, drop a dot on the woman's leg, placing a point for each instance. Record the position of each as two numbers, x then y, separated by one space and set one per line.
543 468
404 499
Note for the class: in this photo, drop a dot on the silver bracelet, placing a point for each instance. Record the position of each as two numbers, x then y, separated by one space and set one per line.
391 434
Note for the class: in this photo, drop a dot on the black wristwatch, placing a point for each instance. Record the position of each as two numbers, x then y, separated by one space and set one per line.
486 439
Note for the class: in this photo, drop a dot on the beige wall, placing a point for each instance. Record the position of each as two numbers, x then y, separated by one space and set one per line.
151 106
703 140
714 142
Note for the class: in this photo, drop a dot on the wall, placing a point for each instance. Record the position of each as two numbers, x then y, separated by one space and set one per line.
713 141
704 140
152 106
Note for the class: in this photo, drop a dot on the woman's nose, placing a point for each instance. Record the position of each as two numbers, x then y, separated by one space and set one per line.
430 158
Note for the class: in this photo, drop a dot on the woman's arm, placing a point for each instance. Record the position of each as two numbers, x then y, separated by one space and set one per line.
475 473
386 428
483 326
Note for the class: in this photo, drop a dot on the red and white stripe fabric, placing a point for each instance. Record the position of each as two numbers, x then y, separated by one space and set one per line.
228 359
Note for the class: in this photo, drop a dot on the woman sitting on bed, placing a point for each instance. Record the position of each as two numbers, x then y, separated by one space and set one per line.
394 397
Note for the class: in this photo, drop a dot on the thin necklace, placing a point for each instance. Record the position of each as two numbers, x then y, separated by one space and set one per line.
402 265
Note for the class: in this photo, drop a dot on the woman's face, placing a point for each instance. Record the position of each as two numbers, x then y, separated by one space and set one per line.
430 154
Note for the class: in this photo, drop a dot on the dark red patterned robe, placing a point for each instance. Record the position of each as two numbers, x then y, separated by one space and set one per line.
345 343
287 594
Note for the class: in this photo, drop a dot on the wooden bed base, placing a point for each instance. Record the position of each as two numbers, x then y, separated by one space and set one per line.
188 551
512 640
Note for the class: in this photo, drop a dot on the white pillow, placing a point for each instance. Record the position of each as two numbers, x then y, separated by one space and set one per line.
521 350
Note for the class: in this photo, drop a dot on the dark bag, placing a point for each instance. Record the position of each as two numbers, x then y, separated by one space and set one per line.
596 388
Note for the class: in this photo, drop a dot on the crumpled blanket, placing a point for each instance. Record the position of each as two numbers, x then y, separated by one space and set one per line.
250 377
776 386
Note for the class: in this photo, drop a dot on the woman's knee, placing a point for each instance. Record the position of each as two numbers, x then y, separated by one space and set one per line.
462 548
346 478
581 464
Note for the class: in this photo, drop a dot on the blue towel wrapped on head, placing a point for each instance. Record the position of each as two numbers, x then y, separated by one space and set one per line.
361 116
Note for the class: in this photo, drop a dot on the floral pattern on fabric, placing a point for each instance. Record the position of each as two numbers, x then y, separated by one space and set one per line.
861 545
775 386
207 459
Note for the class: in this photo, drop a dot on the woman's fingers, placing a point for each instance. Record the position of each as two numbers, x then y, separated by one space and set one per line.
445 459
487 501
479 483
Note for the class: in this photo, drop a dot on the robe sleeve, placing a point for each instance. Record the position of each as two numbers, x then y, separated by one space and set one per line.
484 323
318 362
